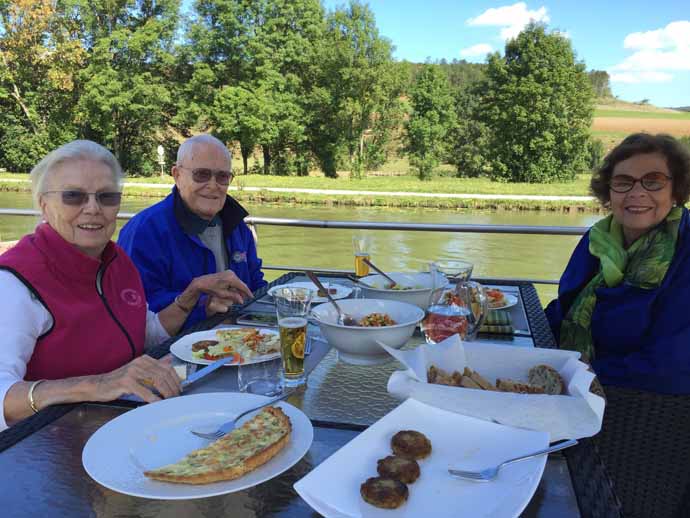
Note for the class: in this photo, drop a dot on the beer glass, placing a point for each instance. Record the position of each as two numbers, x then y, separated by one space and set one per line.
362 246
292 308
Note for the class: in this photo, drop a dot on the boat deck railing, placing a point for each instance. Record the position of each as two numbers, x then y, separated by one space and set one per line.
254 221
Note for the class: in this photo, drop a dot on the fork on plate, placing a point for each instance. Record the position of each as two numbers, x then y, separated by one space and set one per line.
489 474
229 426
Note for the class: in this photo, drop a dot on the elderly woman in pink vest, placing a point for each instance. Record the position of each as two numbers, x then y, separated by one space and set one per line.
73 319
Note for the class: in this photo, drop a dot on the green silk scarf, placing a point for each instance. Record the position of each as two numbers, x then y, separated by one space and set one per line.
644 265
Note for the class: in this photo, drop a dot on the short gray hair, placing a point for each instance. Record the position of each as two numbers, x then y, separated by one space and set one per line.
72 151
203 139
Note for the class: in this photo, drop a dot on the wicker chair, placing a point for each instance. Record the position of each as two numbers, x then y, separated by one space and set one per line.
645 446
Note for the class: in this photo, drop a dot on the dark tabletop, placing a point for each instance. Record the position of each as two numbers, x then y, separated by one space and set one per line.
42 475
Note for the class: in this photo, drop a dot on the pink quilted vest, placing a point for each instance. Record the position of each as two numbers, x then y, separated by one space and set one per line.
98 306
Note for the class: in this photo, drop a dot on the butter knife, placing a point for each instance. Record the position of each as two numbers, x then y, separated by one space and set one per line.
206 370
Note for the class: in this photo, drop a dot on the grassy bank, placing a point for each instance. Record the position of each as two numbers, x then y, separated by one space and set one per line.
631 114
377 184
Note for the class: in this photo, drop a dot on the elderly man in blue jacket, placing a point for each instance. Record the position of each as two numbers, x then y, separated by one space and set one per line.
197 230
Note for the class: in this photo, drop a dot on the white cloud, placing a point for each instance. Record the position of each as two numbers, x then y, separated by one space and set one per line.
641 77
655 54
511 18
674 35
481 49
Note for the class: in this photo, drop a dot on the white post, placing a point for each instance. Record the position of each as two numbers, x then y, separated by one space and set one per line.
161 159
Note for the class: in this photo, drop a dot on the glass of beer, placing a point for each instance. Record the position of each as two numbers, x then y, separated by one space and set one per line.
361 244
292 308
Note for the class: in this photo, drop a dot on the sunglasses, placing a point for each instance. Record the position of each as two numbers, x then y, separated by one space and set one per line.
654 181
75 198
203 175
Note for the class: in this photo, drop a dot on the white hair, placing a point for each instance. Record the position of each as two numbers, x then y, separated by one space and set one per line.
72 151
202 139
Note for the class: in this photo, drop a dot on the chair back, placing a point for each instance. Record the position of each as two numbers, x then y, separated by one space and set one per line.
644 444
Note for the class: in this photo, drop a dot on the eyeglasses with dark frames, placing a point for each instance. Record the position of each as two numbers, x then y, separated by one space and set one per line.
204 174
654 181
77 198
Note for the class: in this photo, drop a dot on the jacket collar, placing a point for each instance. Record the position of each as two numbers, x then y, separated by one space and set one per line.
231 215
67 258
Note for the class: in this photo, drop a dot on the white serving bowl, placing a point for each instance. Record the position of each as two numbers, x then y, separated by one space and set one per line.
419 294
358 345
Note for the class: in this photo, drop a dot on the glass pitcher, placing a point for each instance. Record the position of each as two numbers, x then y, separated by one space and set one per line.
458 307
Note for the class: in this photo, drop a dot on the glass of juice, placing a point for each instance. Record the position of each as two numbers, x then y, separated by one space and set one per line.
362 246
292 309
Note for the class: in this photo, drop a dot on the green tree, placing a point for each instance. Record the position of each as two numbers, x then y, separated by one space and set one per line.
246 71
39 57
430 120
469 136
601 83
126 100
355 84
538 107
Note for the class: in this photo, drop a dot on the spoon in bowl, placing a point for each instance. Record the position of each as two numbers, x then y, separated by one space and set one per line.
391 283
343 318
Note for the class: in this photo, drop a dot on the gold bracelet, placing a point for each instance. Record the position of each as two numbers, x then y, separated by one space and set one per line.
183 308
32 403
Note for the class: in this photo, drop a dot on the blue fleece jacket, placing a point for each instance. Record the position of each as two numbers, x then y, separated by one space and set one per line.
641 337
168 257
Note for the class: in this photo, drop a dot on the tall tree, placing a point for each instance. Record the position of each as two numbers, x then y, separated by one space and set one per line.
247 70
538 107
430 120
601 83
39 59
355 85
126 98
469 137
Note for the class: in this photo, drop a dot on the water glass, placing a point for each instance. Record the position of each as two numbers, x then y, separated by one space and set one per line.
292 309
264 378
458 307
456 271
361 244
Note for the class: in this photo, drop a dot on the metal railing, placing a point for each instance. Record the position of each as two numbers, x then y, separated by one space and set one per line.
253 221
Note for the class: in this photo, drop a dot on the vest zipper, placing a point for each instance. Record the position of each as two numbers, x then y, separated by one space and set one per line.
99 289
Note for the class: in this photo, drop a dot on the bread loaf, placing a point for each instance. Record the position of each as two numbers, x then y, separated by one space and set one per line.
547 378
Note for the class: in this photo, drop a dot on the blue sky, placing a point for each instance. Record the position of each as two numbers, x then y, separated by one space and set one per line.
645 46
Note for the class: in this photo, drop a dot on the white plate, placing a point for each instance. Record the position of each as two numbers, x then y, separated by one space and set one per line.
332 488
183 347
511 300
157 434
341 291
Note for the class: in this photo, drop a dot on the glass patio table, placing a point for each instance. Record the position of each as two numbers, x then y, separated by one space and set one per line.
42 475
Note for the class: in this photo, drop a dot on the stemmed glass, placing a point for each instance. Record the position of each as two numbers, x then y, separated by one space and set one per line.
457 307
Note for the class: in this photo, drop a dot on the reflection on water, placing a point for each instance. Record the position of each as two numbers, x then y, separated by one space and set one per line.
519 256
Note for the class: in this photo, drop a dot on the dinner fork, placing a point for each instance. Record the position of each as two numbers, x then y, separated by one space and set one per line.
489 474
229 426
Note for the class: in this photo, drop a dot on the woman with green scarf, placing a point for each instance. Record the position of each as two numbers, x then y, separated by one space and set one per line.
624 298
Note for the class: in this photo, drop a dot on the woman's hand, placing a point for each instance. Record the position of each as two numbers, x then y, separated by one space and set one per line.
138 377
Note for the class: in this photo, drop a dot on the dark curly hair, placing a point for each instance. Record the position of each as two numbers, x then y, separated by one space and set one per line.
677 160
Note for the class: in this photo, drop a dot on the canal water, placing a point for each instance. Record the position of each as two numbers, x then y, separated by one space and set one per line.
518 256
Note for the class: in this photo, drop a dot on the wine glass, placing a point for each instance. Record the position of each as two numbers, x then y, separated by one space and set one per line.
458 307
